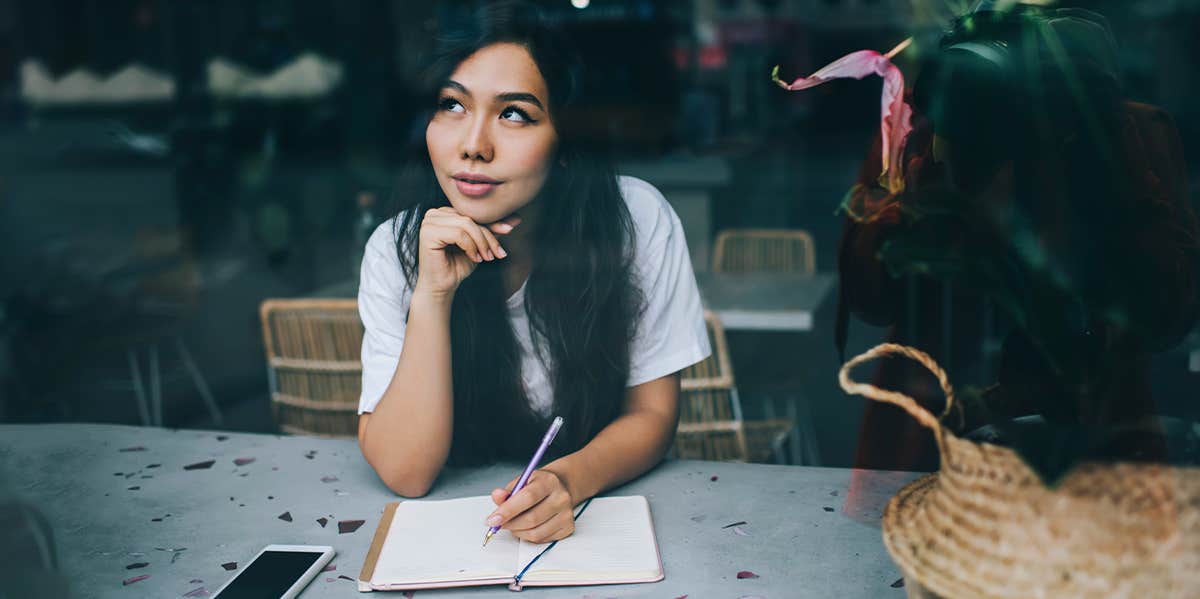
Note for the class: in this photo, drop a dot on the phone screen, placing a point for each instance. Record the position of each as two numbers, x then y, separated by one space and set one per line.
271 575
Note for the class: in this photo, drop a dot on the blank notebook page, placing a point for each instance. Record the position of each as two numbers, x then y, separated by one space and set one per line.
416 552
613 540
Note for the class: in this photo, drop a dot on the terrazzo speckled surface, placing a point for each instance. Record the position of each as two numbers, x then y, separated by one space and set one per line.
118 495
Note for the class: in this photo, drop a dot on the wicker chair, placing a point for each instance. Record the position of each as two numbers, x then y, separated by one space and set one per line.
782 251
711 426
313 364
764 250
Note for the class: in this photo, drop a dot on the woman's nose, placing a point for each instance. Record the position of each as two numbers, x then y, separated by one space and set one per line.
476 142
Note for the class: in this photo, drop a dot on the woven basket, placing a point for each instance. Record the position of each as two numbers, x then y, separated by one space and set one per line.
986 526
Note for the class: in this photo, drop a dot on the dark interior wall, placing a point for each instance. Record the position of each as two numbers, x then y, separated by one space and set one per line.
258 200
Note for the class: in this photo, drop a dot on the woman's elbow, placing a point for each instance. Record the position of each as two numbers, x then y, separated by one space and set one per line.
408 486
405 474
404 479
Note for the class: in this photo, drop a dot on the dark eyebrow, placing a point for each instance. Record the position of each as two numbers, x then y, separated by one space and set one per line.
520 97
504 97
452 84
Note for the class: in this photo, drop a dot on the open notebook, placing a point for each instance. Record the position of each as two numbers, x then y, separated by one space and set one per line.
434 544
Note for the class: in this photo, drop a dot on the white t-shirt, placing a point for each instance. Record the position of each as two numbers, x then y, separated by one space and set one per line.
670 333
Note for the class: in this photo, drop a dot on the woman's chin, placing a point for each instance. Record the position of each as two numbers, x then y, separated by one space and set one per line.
478 212
470 209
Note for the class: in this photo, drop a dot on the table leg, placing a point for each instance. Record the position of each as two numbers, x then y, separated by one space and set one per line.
201 384
139 390
155 387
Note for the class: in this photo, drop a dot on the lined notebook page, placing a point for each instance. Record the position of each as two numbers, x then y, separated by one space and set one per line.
441 541
613 540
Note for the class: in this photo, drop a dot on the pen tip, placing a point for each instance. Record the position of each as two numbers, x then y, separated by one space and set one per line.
487 538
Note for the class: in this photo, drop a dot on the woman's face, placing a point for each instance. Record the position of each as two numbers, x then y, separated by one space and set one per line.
491 141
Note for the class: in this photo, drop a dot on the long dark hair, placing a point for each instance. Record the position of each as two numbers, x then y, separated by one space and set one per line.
580 298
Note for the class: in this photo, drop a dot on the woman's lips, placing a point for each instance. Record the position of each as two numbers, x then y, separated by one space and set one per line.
475 189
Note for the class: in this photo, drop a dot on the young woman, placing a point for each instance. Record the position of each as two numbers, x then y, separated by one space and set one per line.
526 281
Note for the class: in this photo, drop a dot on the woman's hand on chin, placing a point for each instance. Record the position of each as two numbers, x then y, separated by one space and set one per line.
452 245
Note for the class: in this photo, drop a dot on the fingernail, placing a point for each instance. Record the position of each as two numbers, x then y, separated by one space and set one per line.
505 227
493 520
500 252
490 255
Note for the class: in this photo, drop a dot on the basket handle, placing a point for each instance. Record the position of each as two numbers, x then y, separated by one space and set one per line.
910 405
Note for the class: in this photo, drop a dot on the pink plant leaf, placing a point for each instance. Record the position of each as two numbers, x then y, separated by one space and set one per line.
129 581
746 574
895 119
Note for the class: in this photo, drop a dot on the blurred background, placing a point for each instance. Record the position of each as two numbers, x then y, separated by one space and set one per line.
166 166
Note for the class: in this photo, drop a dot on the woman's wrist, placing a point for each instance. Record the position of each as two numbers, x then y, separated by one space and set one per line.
431 299
572 478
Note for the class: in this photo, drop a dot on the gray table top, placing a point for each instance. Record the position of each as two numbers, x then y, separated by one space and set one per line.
804 533
765 302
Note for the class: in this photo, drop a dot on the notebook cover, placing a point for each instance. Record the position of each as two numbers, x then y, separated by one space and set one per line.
368 569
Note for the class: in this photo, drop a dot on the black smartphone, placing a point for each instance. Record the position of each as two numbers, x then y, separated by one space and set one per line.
278 571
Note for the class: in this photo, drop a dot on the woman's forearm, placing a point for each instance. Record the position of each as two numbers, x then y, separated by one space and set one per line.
407 438
626 448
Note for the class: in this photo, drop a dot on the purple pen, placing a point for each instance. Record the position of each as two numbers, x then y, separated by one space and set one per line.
537 457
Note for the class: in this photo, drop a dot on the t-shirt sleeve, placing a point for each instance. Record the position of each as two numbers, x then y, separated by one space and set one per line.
383 299
670 334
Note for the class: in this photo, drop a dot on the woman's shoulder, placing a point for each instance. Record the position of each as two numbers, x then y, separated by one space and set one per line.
642 198
383 287
383 238
654 219
381 257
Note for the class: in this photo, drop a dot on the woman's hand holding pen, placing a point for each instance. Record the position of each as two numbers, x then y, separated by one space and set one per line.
452 245
542 511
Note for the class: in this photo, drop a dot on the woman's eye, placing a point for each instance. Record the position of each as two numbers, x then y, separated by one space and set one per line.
450 105
516 115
